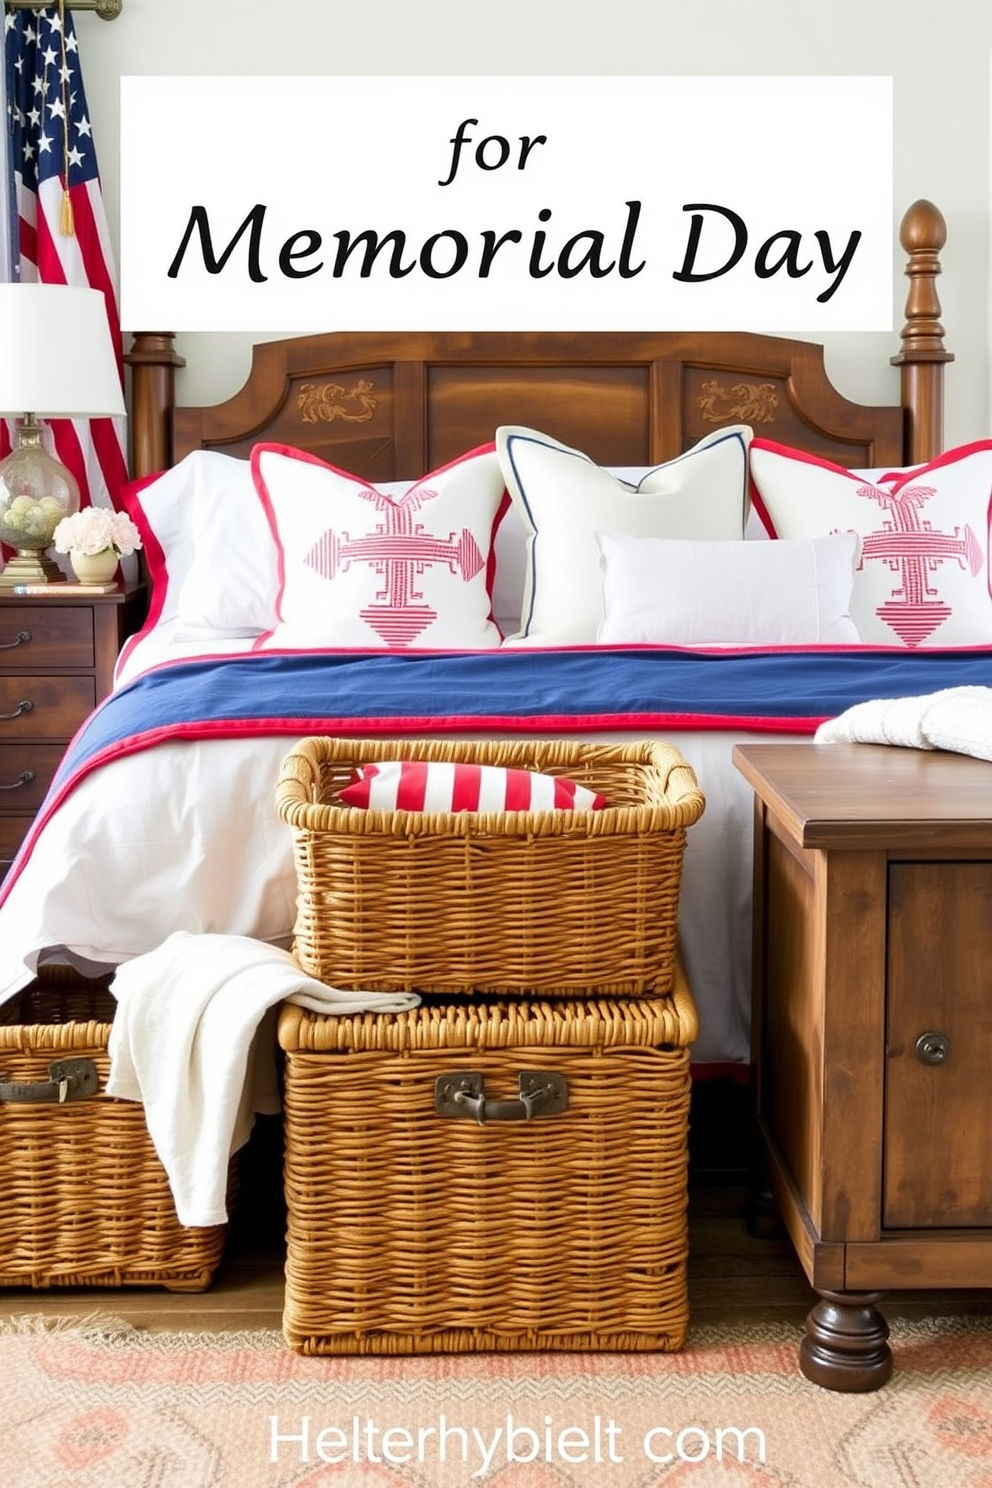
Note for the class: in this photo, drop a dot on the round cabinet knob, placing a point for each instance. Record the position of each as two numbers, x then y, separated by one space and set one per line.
931 1048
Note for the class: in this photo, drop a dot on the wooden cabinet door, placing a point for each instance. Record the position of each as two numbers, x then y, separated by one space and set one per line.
938 1116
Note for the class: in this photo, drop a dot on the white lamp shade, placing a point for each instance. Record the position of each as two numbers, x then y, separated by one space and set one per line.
57 358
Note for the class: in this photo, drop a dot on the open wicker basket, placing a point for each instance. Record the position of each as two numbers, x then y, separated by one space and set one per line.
84 1200
555 903
413 1230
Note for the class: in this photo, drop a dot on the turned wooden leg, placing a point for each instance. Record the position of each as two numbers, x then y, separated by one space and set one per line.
846 1345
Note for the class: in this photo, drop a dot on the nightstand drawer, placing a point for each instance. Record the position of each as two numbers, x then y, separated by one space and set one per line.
40 636
40 707
39 761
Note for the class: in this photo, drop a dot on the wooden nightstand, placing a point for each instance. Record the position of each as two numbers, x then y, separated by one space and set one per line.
872 1028
57 657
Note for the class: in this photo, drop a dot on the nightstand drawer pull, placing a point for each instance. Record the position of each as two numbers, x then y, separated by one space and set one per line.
26 778
932 1048
21 639
24 706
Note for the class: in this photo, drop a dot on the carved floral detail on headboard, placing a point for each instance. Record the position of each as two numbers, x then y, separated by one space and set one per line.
322 404
756 402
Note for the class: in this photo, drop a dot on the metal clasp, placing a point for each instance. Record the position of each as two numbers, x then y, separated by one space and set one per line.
539 1093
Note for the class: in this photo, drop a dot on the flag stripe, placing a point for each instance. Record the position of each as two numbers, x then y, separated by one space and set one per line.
35 48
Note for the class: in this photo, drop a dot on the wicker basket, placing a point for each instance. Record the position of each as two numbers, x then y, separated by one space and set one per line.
84 1200
555 903
411 1231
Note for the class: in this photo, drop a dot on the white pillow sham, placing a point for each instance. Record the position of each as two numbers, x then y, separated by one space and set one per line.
359 567
923 577
231 584
660 591
563 498
207 546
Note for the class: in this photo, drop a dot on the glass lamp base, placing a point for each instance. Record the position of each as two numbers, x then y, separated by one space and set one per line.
30 567
36 492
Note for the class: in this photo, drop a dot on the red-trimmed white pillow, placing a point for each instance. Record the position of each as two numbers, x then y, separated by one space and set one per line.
922 577
361 567
207 545
451 785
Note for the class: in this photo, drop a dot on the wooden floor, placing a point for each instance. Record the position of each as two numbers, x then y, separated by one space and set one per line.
732 1275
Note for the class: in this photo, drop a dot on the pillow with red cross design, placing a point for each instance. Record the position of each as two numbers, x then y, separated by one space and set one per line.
359 567
922 574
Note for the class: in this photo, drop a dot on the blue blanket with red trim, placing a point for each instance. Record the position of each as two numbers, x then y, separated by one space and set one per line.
574 690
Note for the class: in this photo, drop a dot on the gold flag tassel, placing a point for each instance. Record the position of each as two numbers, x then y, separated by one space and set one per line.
67 225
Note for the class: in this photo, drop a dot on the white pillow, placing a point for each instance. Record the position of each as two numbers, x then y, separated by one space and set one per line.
158 505
563 498
209 552
231 585
787 593
923 574
359 567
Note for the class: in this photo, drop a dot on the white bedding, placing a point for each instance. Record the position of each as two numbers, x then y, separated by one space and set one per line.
184 836
160 644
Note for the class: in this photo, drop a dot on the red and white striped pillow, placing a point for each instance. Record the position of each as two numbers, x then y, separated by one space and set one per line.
446 785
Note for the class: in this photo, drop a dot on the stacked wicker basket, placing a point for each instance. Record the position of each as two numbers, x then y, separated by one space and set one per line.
84 1199
505 1165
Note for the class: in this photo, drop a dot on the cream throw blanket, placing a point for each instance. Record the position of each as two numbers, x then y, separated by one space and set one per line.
193 1039
957 718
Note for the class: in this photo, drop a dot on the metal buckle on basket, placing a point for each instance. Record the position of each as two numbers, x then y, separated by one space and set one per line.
462 1096
68 1080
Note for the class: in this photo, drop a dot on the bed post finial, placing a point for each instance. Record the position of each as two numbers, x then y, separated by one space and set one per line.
153 361
922 234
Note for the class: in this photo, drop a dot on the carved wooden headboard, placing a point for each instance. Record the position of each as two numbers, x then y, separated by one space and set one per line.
392 406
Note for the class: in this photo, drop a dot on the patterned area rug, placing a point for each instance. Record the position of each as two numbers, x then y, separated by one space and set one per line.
102 1405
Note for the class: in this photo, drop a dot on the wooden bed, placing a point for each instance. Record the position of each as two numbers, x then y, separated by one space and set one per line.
391 406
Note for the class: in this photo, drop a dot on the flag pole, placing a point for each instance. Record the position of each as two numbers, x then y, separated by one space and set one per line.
107 10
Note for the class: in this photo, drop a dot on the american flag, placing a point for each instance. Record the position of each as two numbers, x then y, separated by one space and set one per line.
52 213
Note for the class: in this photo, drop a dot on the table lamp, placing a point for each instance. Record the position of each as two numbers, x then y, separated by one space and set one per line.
57 359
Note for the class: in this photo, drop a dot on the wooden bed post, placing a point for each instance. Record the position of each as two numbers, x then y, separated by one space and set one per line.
922 234
153 361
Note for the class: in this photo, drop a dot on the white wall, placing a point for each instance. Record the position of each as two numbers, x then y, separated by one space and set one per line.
937 51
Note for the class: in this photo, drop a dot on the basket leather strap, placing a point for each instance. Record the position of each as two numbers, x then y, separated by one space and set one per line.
68 1080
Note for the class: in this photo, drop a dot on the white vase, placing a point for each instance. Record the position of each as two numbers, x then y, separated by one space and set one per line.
94 568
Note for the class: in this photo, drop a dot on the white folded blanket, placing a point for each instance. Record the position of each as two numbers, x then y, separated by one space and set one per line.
956 718
191 1040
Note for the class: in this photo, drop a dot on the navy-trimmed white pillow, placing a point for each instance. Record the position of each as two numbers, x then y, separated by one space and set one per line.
563 498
